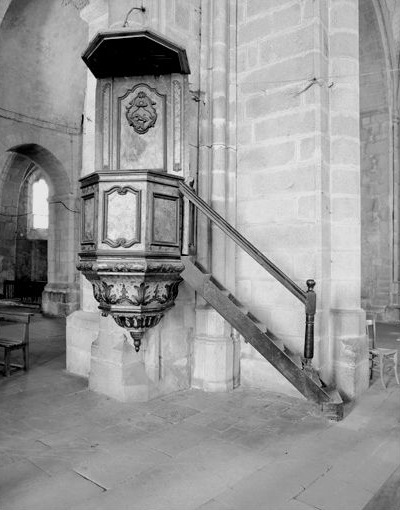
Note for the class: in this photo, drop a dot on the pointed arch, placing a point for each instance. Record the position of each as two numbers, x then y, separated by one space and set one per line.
54 169
61 290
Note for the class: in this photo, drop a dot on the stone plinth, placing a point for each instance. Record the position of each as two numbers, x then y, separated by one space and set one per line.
60 299
214 353
351 367
161 366
82 331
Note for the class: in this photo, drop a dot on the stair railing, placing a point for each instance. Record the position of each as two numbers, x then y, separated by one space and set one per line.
308 298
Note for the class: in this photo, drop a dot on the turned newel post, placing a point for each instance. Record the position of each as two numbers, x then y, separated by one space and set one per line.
311 299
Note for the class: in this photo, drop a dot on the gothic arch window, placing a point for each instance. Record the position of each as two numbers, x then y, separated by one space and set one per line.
40 206
32 229
37 206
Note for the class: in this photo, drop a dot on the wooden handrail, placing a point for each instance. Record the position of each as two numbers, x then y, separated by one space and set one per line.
230 231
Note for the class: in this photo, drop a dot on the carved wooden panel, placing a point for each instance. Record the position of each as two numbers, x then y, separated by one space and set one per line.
106 139
141 133
88 219
177 125
121 217
165 224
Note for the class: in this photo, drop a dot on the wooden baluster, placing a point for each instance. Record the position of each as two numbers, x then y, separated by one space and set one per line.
192 224
187 224
193 228
311 300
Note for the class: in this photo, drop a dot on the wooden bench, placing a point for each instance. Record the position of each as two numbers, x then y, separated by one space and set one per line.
18 340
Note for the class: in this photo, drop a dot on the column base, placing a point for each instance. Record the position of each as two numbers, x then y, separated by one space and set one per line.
351 356
215 354
82 330
60 299
391 314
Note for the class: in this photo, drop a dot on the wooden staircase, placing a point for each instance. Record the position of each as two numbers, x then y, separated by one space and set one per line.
301 375
268 345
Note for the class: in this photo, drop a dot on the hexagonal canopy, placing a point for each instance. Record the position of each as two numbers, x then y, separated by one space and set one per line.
117 53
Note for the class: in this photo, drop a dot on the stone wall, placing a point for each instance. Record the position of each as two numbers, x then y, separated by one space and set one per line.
298 179
41 43
277 151
42 93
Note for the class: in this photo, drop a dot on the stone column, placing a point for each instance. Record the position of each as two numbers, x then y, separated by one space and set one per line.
61 294
393 310
299 181
214 366
349 343
83 325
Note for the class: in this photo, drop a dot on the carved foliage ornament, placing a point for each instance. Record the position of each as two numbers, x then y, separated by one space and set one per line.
127 267
135 307
140 113
138 295
136 324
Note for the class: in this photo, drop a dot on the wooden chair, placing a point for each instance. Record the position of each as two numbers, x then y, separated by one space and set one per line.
379 354
15 341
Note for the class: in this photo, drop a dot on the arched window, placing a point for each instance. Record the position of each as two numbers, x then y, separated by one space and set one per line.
40 206
32 227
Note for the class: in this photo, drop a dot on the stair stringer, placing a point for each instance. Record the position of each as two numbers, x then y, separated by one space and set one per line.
205 285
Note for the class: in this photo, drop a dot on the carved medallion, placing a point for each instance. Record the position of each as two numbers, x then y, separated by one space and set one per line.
140 113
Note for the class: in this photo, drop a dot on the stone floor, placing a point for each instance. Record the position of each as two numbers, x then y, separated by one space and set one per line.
63 447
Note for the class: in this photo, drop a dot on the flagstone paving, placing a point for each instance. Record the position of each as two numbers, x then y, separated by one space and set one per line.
64 447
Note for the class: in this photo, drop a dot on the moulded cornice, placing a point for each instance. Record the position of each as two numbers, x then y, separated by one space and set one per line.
124 52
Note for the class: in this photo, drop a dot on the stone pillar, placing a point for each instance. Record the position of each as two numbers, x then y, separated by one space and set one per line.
215 361
96 16
8 224
282 172
350 346
83 325
116 369
299 181
393 311
61 294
